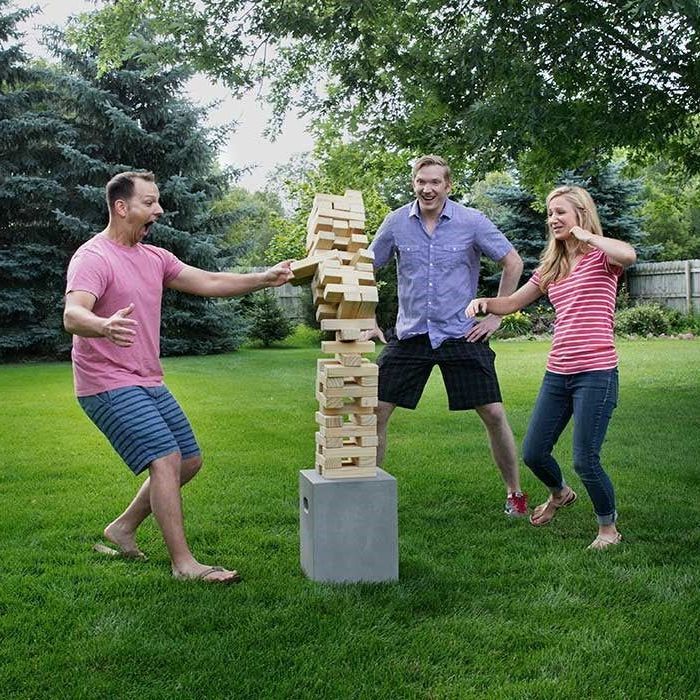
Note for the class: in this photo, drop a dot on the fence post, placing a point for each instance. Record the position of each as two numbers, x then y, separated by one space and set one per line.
688 288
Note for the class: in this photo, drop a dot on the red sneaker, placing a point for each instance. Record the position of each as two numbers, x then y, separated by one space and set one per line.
516 505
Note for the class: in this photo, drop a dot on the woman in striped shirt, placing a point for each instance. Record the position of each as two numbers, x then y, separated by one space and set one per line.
578 271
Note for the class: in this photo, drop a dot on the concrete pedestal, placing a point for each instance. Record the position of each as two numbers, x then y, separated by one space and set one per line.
348 528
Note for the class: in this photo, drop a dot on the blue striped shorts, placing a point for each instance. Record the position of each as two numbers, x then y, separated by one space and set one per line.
141 424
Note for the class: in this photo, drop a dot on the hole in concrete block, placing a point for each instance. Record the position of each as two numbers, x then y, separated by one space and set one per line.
305 504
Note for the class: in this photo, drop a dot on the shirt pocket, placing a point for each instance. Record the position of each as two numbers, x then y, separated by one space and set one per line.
449 257
411 258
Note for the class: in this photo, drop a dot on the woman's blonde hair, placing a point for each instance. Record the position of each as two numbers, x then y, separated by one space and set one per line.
554 261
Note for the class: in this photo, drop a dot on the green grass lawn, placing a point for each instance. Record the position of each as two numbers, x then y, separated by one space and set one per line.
485 607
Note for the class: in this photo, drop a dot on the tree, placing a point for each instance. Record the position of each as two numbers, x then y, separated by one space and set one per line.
268 322
551 85
521 216
75 131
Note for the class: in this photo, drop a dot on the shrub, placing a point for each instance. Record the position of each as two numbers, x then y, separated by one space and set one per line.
515 324
645 319
268 322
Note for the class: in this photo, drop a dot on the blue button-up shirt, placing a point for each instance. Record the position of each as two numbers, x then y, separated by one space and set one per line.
438 274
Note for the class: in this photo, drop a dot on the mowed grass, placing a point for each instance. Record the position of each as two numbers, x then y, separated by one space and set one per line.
485 607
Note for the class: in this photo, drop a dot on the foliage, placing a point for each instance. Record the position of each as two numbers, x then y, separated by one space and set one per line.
254 220
514 325
268 323
644 319
68 131
671 210
551 85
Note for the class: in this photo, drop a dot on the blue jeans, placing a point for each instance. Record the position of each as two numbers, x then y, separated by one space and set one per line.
591 398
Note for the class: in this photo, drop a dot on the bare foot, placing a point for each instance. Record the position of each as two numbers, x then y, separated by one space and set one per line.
124 540
201 572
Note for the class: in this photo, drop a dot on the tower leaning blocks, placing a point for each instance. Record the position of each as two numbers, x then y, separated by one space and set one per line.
341 272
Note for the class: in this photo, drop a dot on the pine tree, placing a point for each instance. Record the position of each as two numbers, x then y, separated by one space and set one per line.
32 261
64 132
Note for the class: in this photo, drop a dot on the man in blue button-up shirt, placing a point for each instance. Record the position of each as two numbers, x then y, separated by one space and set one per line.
438 244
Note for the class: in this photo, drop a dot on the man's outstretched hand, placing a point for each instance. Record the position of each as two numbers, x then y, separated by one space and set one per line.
279 274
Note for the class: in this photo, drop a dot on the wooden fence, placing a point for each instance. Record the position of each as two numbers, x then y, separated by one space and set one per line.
675 284
290 298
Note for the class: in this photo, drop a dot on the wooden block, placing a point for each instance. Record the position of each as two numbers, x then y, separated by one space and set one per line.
368 381
357 241
323 240
367 440
341 324
350 360
365 267
329 402
348 334
328 441
355 347
332 382
362 255
335 293
366 462
349 390
329 422
356 226
343 452
348 308
364 419
306 267
365 369
326 311
351 408
369 401
341 242
349 472
340 227
349 430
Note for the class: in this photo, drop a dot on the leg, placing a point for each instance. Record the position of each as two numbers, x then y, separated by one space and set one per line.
595 398
550 416
122 530
404 369
166 505
502 444
384 411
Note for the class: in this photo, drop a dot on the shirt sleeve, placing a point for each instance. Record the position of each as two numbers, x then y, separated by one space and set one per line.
488 239
535 279
172 265
383 244
87 272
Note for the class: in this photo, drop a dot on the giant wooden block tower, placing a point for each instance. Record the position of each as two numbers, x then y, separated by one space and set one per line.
345 294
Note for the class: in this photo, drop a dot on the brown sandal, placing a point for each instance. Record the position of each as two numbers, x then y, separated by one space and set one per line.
601 542
550 508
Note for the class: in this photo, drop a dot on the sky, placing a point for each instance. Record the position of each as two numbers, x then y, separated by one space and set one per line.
246 146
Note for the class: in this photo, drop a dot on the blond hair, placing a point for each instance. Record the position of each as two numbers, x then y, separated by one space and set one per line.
425 161
554 261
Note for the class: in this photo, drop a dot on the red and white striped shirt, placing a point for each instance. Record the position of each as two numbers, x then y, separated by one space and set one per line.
584 306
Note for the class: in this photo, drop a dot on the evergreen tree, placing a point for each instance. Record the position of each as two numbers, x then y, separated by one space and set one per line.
268 323
32 260
68 132
520 218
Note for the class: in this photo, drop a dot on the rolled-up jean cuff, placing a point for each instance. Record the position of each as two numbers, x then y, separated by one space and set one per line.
607 519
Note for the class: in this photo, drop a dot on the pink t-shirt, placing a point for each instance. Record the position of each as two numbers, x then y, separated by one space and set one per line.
117 276
584 305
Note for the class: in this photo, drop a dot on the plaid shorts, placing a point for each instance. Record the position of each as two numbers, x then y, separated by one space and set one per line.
467 368
141 423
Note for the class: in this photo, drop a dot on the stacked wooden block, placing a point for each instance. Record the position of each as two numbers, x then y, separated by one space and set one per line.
341 272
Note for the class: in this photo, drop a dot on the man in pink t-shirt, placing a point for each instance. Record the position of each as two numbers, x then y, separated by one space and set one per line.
114 291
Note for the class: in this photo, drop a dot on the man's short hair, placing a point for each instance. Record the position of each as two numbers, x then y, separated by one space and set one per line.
424 161
121 186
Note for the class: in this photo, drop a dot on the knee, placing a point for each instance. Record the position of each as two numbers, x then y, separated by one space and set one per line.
190 466
167 467
585 464
493 415
383 413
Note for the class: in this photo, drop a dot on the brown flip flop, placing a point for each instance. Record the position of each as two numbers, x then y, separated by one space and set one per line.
552 508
